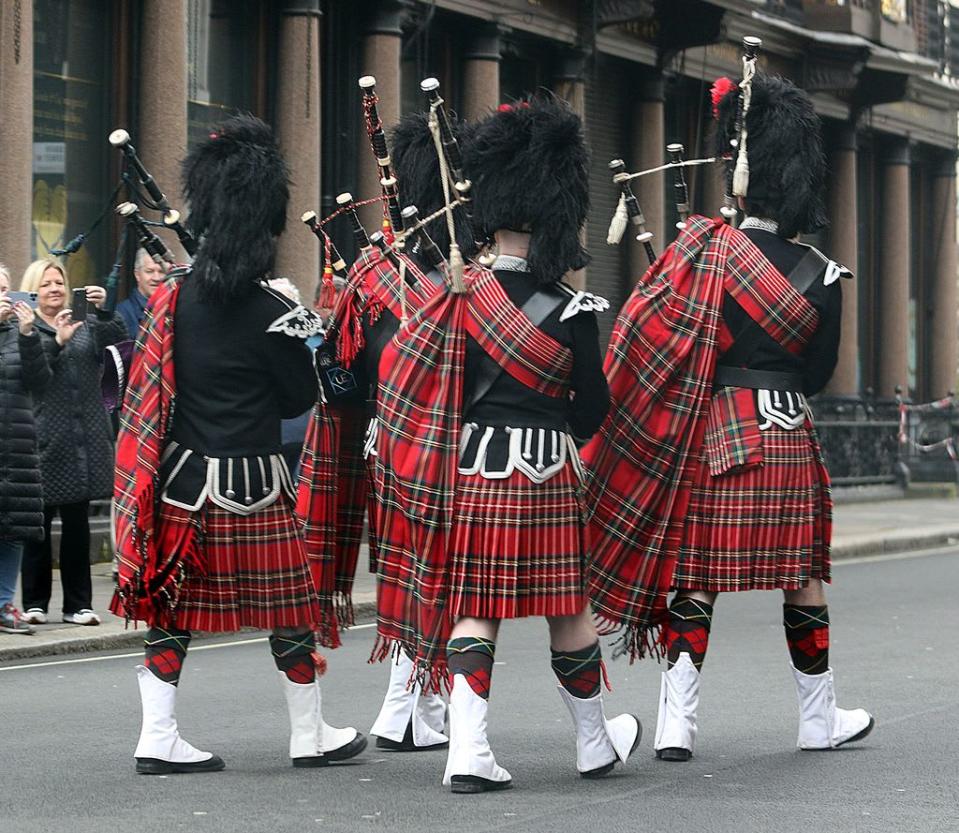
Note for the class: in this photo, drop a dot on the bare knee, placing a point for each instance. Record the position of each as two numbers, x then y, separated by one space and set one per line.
473 626
707 596
572 633
812 595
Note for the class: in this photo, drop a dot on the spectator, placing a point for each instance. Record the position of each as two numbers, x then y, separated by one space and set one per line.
149 275
24 370
76 452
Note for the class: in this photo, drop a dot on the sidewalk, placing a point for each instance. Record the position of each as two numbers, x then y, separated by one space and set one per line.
860 529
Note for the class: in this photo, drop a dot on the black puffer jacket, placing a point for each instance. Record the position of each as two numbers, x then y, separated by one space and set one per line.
24 370
76 445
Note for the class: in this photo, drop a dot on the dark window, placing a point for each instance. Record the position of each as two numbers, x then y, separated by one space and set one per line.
222 46
71 121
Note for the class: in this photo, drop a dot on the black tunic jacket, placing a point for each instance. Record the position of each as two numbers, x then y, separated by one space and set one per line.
757 350
24 370
76 438
235 381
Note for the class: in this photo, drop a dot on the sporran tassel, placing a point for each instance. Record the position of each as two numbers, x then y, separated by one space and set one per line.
456 269
327 296
617 226
741 174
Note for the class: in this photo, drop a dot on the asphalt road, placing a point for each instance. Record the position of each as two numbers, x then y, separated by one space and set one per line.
70 727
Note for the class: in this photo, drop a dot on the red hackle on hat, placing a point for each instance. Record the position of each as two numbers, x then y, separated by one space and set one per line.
720 89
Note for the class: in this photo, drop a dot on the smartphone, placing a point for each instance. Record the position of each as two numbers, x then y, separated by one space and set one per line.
78 305
28 298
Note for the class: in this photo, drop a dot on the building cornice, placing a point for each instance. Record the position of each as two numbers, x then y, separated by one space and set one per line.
538 22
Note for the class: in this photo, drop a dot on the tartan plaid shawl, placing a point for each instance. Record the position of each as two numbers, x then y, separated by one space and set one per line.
660 365
420 406
149 580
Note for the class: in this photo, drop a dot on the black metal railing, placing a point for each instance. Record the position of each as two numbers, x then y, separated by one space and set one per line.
859 437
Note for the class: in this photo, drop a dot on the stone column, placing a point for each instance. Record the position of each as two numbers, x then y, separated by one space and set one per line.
161 136
381 46
942 337
570 84
844 247
298 132
648 149
481 73
892 276
16 135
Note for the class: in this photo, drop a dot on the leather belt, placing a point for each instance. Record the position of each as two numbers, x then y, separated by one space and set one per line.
742 377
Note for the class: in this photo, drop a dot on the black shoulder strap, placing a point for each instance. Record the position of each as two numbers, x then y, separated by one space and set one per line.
802 276
810 267
537 308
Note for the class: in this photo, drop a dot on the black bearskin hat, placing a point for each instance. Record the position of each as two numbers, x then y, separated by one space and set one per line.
237 185
787 167
530 172
418 177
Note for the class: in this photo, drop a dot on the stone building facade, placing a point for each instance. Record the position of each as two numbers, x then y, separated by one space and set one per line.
880 72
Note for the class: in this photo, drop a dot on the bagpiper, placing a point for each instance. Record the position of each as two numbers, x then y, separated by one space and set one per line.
206 534
410 718
483 398
707 475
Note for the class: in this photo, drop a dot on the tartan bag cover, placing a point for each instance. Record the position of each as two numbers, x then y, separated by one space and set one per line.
375 284
420 406
333 484
660 365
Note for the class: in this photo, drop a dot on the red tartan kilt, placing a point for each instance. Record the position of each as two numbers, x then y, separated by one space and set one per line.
761 527
256 571
517 547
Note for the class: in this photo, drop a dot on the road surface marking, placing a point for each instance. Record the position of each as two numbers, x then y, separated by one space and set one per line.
193 648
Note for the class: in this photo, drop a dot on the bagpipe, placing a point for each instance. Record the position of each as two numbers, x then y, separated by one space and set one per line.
403 229
628 210
143 191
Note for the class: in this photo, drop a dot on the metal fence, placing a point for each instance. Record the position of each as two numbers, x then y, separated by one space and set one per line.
859 437
869 441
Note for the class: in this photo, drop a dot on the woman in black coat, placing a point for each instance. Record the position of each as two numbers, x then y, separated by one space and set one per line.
24 370
76 447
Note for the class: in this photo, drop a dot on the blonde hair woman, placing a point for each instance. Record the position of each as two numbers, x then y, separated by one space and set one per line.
76 447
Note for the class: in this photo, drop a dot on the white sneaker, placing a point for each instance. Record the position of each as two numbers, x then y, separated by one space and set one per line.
35 616
84 617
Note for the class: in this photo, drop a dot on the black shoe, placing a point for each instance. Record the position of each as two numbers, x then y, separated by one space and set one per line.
474 784
407 744
674 753
154 766
344 753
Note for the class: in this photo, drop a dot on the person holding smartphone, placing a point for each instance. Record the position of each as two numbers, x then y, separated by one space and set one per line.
76 449
24 372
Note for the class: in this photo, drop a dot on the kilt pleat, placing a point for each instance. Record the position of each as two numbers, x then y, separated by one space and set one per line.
761 527
255 569
517 547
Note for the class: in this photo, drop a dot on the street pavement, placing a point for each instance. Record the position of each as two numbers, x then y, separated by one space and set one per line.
71 725
860 529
